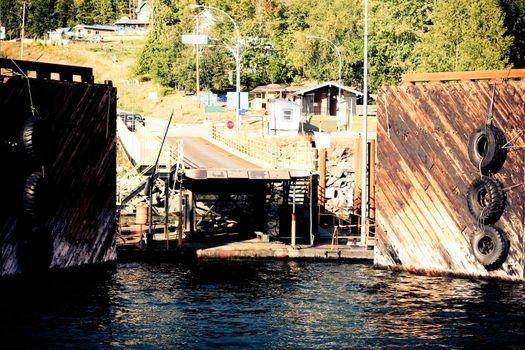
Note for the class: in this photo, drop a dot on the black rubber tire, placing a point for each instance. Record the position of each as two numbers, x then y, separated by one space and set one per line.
485 149
486 200
34 138
490 246
32 194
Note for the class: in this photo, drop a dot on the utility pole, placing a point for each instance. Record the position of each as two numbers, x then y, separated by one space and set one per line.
22 31
197 48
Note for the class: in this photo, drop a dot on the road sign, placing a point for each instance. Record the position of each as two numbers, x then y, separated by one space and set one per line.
207 98
212 109
232 100
230 124
194 39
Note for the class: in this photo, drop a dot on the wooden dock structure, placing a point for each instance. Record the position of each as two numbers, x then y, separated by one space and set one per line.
450 175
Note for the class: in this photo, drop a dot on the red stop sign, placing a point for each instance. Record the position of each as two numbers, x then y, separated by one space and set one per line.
229 124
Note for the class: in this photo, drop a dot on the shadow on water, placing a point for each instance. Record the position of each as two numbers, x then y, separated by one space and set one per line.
263 304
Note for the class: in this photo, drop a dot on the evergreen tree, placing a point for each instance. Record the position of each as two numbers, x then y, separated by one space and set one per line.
40 19
464 35
65 12
515 23
11 11
103 12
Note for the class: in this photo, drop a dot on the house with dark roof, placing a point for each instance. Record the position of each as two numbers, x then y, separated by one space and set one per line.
330 98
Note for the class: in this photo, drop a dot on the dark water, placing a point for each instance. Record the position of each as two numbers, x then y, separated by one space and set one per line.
263 305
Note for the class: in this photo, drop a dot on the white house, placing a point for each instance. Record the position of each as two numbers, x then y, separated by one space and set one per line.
285 117
140 23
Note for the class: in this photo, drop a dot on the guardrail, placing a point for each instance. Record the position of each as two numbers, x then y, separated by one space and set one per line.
143 148
297 154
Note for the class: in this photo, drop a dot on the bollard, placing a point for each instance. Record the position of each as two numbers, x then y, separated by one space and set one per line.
141 218
179 214
293 229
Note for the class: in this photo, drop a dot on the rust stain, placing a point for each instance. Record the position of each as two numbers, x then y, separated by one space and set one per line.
423 173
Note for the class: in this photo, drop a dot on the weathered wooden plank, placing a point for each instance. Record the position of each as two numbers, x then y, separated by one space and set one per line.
428 128
71 221
471 75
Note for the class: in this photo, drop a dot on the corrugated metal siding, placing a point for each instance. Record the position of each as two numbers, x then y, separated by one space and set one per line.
423 172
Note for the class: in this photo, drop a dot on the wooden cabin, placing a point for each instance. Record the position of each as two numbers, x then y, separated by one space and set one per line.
323 99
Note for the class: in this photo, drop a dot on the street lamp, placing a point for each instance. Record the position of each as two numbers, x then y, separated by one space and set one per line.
364 159
340 69
237 59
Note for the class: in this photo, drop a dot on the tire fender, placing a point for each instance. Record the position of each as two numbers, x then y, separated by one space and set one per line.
486 200
485 149
490 246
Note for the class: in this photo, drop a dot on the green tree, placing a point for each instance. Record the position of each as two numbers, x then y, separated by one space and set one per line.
11 11
65 12
464 35
103 12
515 23
40 19
395 29
85 9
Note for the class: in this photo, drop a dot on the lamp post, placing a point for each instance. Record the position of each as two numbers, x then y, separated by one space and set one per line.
340 68
237 59
364 147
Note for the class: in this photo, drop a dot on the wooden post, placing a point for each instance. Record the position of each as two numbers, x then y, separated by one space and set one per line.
167 211
322 177
293 218
357 183
179 215
372 180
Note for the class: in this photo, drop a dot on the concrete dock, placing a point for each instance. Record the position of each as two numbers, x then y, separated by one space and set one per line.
254 248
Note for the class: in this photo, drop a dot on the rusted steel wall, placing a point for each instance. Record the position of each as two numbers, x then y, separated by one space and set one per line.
68 218
423 173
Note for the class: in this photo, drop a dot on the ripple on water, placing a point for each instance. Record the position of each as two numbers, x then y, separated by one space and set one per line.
263 304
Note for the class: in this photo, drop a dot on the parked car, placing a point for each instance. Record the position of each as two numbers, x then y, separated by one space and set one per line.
130 119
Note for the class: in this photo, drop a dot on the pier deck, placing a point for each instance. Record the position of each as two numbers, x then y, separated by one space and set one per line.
245 249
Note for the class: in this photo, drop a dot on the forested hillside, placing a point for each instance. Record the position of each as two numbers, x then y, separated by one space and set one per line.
404 36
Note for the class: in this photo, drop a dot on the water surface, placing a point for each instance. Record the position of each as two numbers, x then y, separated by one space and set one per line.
263 305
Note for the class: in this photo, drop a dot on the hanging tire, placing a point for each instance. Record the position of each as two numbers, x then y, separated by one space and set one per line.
33 194
486 200
34 138
485 149
490 246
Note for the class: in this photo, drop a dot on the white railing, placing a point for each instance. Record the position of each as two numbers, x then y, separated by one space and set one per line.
143 148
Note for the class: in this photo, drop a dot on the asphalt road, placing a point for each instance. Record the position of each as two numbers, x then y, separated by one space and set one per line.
198 153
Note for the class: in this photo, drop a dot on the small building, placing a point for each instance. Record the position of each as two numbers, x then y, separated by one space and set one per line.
322 99
59 35
140 23
264 93
93 32
285 117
